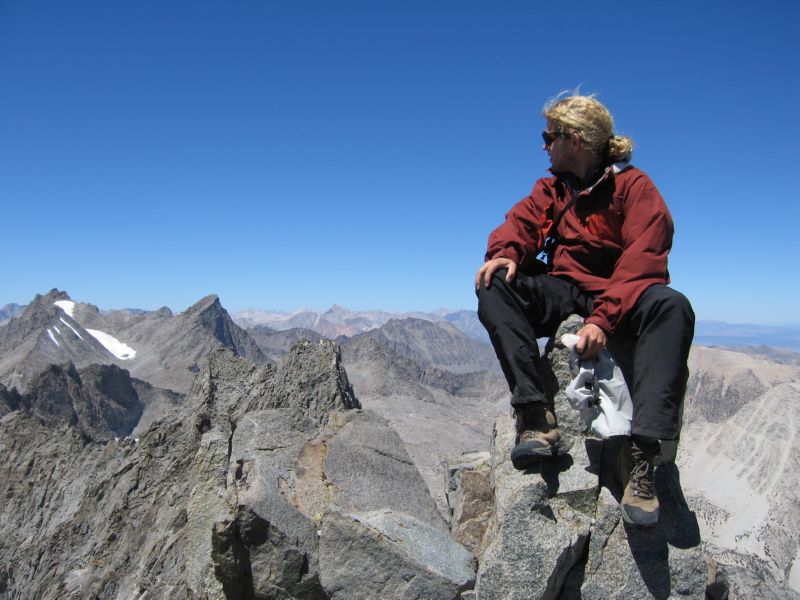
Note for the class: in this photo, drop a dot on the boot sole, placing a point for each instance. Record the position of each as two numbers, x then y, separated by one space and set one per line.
525 455
638 517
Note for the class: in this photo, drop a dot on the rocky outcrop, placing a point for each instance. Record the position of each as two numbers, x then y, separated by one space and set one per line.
267 482
99 401
555 530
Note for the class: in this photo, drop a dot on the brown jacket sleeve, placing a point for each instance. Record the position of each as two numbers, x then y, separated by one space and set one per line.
647 239
520 237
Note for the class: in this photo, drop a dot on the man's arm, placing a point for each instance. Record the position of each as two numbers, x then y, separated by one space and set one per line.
519 238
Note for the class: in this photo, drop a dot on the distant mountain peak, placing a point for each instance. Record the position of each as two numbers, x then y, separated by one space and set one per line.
207 302
337 309
55 294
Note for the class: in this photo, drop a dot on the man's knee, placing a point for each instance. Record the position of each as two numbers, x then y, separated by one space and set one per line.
492 297
666 300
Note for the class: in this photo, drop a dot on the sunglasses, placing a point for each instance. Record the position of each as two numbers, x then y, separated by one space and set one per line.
551 136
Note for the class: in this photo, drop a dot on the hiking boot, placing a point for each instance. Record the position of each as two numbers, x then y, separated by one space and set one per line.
538 436
636 468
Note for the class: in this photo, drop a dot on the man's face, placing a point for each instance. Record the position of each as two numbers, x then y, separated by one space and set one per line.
559 149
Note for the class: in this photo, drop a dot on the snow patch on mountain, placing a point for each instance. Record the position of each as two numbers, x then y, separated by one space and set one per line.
68 306
52 337
71 327
119 349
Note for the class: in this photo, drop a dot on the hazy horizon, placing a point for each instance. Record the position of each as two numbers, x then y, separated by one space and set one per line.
709 323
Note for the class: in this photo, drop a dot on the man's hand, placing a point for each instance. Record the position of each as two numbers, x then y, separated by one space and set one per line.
592 342
490 266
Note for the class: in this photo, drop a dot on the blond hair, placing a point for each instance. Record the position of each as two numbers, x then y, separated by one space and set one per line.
591 120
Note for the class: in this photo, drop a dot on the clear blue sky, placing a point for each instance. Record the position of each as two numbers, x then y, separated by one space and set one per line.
300 154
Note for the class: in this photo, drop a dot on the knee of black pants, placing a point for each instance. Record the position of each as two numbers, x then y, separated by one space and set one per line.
493 300
680 304
667 301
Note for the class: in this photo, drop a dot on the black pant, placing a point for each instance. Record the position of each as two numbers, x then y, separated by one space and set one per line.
660 327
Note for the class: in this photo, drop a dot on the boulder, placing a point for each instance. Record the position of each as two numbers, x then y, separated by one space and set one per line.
391 555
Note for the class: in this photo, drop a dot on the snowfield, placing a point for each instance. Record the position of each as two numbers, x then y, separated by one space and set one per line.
68 306
113 345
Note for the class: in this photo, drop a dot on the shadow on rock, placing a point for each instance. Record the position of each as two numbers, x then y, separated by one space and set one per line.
677 529
678 521
651 553
550 469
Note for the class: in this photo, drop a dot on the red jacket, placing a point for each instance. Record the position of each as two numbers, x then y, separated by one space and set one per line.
613 241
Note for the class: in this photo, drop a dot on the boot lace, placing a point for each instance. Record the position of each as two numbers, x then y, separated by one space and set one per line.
642 475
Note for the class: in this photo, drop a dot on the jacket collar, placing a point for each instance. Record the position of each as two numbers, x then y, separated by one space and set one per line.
599 176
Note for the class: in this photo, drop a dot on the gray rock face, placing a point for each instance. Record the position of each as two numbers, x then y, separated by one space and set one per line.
83 519
311 380
539 528
438 414
100 400
294 466
230 495
628 562
10 400
405 558
746 576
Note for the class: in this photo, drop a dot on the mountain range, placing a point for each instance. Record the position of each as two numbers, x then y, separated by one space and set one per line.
434 380
339 321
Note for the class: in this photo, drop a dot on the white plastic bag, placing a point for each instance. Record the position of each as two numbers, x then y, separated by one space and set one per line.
599 392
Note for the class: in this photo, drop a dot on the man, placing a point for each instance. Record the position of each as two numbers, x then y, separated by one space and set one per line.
613 235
